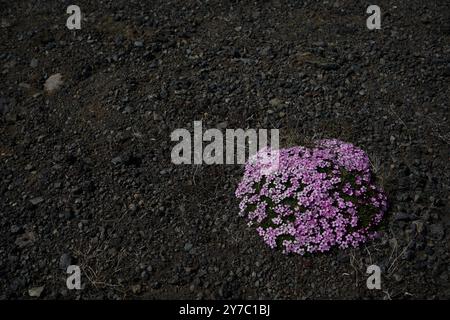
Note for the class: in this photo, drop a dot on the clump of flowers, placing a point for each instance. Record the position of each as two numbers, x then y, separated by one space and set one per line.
317 198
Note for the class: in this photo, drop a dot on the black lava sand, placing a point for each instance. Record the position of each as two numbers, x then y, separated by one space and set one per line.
86 174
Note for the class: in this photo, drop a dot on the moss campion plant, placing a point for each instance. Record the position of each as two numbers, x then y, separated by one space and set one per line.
318 198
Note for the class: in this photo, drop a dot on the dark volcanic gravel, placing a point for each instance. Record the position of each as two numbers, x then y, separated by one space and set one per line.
86 174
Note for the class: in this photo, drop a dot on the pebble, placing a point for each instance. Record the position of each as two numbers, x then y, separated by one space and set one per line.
65 260
275 102
34 63
53 83
117 160
35 291
36 201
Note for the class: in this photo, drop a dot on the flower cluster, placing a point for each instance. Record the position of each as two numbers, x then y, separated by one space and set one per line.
318 198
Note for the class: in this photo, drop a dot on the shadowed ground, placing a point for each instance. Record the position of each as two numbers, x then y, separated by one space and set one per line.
94 157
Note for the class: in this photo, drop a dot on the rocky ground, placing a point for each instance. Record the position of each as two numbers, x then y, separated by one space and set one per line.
86 174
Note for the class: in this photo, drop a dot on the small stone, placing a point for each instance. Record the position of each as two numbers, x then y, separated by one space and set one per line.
15 229
34 63
5 23
24 85
36 201
319 44
65 260
116 160
392 139
25 239
188 246
144 275
136 288
138 44
275 102
398 277
419 226
222 125
156 116
36 291
53 83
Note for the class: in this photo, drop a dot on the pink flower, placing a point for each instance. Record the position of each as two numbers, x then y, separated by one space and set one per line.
314 200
